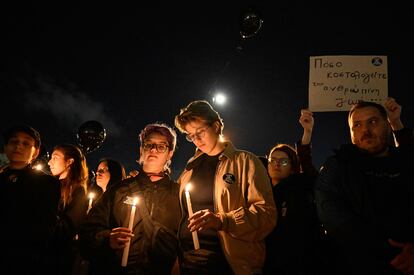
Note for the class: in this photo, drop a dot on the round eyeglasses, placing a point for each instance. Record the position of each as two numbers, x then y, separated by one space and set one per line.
160 148
281 161
199 134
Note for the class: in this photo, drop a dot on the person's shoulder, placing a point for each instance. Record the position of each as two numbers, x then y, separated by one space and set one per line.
244 153
44 182
174 185
43 177
126 184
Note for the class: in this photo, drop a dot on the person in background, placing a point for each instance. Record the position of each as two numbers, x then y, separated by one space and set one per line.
231 197
106 232
108 173
68 164
28 206
292 247
364 193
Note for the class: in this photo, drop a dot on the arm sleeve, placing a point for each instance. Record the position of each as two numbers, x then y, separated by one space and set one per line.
357 239
94 233
404 137
304 152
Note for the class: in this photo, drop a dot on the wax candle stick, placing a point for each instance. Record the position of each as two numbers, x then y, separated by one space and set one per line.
190 213
91 196
130 225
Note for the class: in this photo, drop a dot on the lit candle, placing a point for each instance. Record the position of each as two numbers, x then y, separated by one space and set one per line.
91 196
130 224
190 213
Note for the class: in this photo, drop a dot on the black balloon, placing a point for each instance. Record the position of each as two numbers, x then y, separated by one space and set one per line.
251 23
90 136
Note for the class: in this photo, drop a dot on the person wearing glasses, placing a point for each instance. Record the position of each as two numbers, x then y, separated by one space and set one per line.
231 200
293 245
106 232
364 193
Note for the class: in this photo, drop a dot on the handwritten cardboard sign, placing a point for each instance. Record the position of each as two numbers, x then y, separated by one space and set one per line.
338 82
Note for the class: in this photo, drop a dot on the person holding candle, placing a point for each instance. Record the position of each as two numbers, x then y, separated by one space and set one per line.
106 233
28 206
68 164
231 198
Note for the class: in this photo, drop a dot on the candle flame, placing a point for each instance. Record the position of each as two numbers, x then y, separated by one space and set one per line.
135 201
91 195
188 187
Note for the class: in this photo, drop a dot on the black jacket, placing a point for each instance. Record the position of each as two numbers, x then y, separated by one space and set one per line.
160 199
28 208
291 246
364 200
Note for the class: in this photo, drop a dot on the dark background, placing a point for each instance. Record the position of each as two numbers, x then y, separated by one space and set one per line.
129 65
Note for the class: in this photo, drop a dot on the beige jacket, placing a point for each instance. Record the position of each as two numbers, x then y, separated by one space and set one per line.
243 198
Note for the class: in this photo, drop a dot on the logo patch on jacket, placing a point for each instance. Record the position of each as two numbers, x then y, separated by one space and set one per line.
229 178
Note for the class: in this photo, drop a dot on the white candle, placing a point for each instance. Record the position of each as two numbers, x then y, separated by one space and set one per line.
91 196
190 213
130 225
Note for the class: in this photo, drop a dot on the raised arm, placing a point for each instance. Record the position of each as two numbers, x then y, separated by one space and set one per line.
306 120
402 136
304 149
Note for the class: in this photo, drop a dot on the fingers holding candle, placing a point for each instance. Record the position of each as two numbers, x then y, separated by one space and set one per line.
119 237
204 219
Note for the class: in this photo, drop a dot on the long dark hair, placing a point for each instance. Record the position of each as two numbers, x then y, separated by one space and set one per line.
77 172
116 169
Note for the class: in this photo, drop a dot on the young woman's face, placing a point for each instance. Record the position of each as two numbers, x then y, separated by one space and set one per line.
102 175
204 136
58 165
155 153
279 165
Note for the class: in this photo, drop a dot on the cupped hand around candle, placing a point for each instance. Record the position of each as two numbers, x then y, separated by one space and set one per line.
119 237
204 219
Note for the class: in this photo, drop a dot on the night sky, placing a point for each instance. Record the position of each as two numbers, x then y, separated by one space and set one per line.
127 66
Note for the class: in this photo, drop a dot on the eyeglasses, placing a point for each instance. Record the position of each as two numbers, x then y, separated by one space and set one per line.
281 161
102 170
199 134
161 148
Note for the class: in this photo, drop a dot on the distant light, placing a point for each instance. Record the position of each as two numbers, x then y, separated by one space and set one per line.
219 99
38 166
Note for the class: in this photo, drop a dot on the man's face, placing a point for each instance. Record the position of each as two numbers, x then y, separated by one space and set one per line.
21 150
369 130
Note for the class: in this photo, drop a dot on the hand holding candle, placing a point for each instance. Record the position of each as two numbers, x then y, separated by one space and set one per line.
190 213
130 225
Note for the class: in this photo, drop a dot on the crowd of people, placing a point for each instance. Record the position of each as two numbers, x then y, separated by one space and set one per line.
229 212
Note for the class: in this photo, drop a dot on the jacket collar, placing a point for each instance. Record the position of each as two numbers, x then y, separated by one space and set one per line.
229 152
